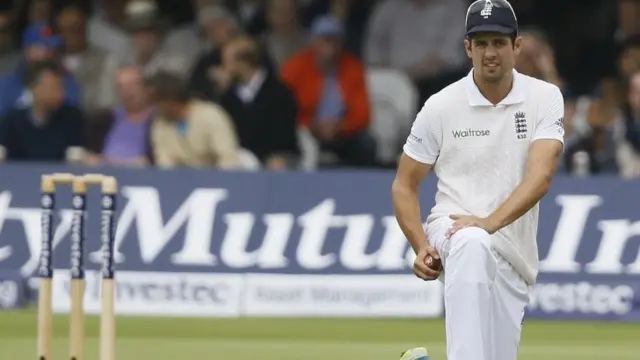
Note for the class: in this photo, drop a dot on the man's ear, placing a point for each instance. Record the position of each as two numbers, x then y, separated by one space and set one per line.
517 45
467 47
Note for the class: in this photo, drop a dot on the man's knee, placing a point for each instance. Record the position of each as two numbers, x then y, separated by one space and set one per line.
471 239
471 251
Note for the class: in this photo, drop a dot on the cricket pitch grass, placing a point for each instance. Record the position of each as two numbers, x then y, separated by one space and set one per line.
308 339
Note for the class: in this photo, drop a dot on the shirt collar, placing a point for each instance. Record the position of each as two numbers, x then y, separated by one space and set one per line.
247 92
515 96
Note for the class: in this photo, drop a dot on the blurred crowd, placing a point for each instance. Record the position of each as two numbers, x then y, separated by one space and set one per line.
287 84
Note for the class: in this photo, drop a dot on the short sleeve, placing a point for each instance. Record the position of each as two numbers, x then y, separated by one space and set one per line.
425 140
550 122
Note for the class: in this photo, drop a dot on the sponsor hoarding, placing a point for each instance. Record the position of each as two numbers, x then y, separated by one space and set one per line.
157 293
12 289
341 295
330 223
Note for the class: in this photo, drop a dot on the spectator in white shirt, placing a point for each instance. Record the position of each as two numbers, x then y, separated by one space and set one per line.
421 38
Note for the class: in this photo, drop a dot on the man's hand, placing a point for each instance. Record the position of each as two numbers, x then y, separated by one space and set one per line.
277 163
420 268
327 130
221 77
92 159
465 221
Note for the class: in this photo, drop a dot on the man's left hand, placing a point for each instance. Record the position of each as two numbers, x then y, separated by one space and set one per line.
465 221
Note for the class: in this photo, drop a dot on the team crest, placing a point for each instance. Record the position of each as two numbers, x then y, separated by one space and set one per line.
486 12
520 123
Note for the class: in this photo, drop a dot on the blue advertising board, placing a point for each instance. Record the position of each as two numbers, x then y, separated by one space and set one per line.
12 289
325 223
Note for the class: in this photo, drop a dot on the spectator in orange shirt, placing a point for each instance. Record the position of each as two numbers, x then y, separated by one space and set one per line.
330 87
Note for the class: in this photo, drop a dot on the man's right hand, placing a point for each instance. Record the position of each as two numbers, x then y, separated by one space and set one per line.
221 77
420 268
326 130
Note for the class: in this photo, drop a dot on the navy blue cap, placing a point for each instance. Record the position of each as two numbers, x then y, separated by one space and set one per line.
495 16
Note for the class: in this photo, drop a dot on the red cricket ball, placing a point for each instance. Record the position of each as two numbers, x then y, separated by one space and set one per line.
433 264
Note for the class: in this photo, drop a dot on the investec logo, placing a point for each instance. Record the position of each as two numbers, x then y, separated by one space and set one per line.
142 220
469 133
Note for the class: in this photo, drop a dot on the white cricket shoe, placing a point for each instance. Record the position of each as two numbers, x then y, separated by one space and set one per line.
419 353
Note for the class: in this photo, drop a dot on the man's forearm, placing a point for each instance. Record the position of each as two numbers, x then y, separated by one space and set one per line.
407 211
521 200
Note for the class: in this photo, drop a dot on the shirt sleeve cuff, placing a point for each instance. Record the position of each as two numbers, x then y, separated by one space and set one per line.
550 137
429 160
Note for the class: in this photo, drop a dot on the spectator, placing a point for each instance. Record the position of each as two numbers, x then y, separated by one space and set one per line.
629 148
189 39
263 110
250 15
596 131
537 58
285 36
421 38
628 15
80 58
219 26
147 29
46 130
331 91
629 61
40 11
39 44
9 57
31 12
189 132
105 28
120 136
354 15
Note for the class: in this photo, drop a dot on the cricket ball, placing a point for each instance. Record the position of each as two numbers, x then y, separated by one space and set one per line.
433 264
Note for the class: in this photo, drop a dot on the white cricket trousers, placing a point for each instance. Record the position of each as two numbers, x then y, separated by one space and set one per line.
484 296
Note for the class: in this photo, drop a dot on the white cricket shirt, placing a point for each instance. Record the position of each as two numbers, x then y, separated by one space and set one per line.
479 153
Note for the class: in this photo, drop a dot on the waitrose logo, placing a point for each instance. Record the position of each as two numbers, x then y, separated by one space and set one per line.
469 133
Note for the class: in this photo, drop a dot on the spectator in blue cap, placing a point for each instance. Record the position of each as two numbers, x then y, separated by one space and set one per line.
39 44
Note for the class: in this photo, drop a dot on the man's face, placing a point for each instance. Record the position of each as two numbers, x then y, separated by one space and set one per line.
145 42
72 27
40 10
131 89
219 32
526 61
327 48
114 9
281 14
630 60
229 59
37 53
493 55
634 92
49 90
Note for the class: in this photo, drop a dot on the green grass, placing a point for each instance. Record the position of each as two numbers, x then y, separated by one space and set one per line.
308 339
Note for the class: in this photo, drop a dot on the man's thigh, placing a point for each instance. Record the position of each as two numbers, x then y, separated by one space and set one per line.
510 299
436 235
